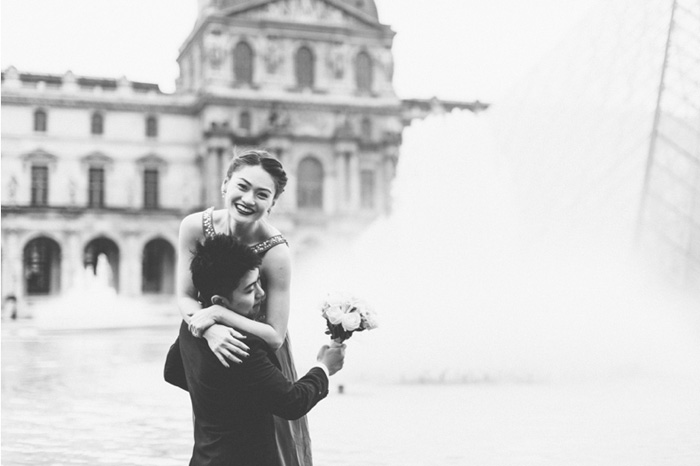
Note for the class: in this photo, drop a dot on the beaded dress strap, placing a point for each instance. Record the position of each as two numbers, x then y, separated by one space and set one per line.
271 242
208 223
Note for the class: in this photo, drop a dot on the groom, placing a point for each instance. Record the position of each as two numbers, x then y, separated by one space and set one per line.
234 407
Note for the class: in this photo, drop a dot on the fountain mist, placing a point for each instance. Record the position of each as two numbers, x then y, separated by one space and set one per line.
469 289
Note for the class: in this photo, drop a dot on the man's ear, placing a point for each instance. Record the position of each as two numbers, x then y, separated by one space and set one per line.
221 301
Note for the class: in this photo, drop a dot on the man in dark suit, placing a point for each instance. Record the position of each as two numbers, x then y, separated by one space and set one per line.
234 407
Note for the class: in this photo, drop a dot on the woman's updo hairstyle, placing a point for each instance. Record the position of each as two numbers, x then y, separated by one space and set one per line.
254 157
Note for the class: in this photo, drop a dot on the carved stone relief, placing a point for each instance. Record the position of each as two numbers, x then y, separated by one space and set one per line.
273 55
385 59
335 61
13 190
343 125
278 118
312 123
72 190
302 11
214 47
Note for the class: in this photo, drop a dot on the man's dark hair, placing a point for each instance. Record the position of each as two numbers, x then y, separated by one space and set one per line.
218 264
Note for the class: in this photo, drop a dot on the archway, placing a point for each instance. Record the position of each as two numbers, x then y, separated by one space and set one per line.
103 246
158 267
42 266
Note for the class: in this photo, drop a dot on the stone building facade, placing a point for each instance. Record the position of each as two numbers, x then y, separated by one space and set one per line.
108 167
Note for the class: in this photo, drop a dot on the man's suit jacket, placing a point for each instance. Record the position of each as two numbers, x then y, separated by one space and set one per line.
233 407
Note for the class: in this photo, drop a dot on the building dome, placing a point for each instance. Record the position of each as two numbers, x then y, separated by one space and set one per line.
368 7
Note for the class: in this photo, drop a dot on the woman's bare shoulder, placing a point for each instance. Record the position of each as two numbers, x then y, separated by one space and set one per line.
278 256
268 230
191 225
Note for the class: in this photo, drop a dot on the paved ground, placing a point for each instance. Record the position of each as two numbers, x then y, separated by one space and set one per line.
96 397
90 397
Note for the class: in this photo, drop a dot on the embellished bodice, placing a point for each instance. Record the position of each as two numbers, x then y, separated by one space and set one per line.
259 248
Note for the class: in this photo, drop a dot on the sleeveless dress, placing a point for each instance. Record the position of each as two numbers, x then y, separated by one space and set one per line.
293 440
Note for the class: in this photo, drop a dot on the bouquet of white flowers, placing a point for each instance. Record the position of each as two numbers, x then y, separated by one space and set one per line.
346 314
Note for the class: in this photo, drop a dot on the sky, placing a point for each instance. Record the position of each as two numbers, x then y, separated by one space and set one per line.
452 49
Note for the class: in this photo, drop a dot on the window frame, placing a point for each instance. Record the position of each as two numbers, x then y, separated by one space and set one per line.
96 195
151 188
243 65
41 121
310 191
39 185
97 123
305 79
364 72
151 126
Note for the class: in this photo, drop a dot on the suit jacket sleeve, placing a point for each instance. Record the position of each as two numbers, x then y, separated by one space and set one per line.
174 370
284 398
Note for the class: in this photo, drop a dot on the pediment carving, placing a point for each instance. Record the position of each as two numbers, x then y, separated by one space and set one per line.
152 161
39 156
301 11
97 159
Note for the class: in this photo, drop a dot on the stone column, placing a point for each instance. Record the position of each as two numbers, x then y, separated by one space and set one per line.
290 193
389 173
341 181
331 201
281 150
217 155
71 262
354 180
130 278
12 258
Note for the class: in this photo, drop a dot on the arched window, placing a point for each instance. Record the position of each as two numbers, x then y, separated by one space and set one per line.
40 121
42 266
363 72
310 184
158 267
243 63
151 126
304 67
244 121
96 123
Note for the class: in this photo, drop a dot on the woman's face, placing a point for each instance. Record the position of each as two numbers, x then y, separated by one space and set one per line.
249 193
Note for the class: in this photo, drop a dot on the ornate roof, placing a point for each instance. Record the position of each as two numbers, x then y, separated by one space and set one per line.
363 8
367 6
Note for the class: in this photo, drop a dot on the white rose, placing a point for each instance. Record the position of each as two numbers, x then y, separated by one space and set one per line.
351 321
371 321
334 314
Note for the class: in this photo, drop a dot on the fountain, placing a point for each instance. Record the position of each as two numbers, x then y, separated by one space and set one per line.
93 302
469 289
